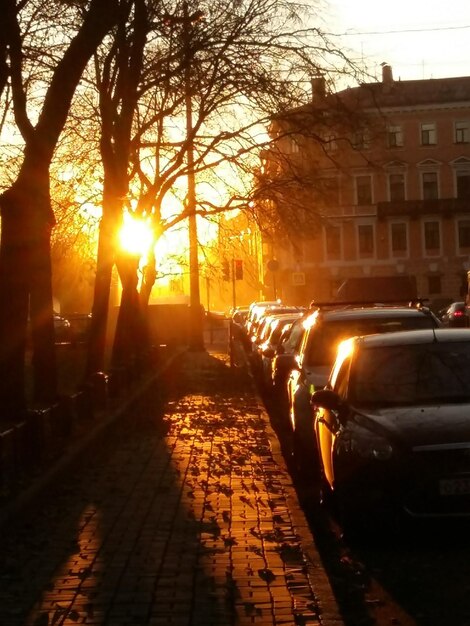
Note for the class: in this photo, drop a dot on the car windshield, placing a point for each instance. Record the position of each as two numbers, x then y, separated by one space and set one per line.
412 374
325 339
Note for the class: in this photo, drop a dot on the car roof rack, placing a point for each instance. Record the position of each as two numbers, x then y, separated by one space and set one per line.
414 302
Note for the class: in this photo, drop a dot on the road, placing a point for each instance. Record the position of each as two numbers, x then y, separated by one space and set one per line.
417 576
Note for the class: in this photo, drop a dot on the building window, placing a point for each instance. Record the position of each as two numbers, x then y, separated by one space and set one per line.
394 137
294 147
434 285
365 240
330 143
464 236
430 186
428 134
333 242
363 190
399 239
463 183
432 238
361 140
396 183
328 191
462 132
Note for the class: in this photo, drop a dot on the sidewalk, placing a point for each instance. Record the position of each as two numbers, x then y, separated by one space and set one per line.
189 518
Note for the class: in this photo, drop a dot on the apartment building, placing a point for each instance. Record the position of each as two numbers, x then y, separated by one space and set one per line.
392 190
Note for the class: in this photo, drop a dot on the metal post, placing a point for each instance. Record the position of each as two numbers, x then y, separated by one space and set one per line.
234 291
196 340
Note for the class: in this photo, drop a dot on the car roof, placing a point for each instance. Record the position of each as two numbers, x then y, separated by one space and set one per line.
407 337
376 312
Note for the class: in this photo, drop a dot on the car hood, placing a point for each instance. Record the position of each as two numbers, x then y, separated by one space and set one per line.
419 426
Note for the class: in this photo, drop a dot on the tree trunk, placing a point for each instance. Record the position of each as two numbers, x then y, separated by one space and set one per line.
27 218
128 340
148 281
104 267
25 288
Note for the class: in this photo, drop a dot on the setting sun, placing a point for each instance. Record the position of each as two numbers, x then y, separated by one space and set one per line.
136 235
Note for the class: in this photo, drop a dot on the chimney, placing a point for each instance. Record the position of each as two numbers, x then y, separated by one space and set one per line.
318 84
387 74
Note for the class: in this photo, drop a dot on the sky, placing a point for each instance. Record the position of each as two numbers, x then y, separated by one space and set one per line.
418 38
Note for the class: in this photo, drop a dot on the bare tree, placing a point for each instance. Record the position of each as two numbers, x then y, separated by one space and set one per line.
239 64
27 216
234 64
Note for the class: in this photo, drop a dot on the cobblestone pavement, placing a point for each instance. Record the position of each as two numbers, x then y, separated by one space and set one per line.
186 516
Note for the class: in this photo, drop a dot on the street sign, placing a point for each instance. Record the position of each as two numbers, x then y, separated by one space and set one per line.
298 279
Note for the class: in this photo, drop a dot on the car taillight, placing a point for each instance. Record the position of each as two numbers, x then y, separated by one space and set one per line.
458 313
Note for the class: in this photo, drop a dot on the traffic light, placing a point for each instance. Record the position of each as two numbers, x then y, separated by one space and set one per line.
238 269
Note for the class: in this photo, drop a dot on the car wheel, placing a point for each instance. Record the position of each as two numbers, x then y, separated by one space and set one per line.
352 519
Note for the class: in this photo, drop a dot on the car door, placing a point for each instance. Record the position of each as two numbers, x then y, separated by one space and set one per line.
327 423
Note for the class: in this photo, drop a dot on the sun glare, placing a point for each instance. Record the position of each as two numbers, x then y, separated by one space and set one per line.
135 236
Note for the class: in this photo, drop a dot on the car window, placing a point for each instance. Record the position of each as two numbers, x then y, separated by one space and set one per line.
295 336
412 374
324 339
340 382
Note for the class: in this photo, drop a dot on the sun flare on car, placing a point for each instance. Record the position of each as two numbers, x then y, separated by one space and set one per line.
135 236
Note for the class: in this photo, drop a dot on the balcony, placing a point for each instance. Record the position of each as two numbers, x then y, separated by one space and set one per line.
445 207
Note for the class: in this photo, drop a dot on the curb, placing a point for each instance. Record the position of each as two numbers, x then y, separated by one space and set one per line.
327 606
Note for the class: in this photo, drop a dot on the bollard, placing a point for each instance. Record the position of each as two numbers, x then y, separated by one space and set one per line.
24 447
82 404
117 382
40 429
62 418
99 390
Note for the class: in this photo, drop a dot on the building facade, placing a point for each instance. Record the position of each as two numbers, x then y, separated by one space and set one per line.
392 190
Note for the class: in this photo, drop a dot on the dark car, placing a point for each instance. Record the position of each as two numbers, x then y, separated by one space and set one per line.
393 427
325 328
456 315
62 329
238 319
282 363
268 348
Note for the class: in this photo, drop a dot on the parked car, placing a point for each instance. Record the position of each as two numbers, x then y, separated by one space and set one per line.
263 318
267 324
281 365
255 310
325 328
238 317
268 348
79 327
62 329
393 427
456 315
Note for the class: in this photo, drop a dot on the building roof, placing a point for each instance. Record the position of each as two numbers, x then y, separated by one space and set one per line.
400 93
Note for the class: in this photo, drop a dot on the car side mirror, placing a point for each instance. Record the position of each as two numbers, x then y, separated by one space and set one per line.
327 399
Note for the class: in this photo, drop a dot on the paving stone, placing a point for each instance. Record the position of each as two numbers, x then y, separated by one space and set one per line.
189 519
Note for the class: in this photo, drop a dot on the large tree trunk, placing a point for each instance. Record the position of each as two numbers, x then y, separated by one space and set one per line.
109 226
25 265
26 292
129 337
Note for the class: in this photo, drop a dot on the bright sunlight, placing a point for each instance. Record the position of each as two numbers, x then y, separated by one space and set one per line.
135 236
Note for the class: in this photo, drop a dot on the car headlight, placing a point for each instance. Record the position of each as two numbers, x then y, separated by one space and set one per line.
365 444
